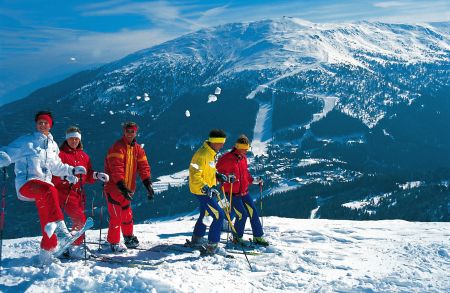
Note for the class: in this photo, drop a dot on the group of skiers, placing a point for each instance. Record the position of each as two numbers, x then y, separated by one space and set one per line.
207 176
53 177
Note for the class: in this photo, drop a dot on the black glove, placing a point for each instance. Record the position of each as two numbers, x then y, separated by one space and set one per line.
231 178
124 190
205 189
210 191
148 185
213 192
221 177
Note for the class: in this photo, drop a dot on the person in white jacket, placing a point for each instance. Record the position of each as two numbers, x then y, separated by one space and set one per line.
36 160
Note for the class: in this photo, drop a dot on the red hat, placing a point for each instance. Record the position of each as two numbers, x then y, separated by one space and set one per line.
130 125
47 118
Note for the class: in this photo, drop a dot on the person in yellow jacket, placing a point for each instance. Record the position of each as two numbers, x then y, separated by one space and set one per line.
202 183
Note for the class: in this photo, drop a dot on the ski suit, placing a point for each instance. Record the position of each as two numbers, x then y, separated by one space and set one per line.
202 171
122 163
72 198
36 160
242 203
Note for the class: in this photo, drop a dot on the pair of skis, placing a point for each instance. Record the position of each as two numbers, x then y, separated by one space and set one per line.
187 247
204 251
63 247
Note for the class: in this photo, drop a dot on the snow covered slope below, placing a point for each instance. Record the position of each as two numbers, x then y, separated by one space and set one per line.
305 256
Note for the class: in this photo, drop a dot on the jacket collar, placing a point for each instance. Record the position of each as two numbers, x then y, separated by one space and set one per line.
208 148
40 135
237 154
67 149
125 141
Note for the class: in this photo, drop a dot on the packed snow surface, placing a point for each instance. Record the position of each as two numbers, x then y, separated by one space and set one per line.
304 256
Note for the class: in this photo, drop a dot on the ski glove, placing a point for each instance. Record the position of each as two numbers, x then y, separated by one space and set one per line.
124 190
148 185
101 176
224 178
5 160
231 178
72 179
77 170
221 177
210 191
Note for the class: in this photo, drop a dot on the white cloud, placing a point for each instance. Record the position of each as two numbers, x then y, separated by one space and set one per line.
389 4
216 11
158 13
159 10
415 12
49 51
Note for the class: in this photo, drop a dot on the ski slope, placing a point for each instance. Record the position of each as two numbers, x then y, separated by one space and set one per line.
306 256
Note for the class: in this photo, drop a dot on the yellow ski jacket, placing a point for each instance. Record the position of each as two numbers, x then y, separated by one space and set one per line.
202 170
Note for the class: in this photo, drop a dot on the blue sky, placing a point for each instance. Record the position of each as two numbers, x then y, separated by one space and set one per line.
46 40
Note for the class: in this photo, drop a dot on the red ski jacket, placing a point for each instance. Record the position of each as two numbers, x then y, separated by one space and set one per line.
74 157
122 162
234 163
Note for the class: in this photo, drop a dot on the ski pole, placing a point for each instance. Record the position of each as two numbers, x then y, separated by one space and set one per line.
2 216
100 230
235 234
83 200
83 194
67 197
231 206
261 201
92 205
101 219
227 210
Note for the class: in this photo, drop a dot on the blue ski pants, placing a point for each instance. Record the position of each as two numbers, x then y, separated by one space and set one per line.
209 207
244 207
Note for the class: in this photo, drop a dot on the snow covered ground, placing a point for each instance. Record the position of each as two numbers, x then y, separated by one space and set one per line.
305 256
177 179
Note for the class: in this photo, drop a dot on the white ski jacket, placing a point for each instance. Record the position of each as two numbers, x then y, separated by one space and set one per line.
36 156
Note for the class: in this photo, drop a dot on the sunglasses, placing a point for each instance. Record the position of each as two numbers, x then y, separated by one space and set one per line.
130 131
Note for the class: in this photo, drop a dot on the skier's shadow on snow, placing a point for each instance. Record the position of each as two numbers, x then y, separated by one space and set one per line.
152 257
166 236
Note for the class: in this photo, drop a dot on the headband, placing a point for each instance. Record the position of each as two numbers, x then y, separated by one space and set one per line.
73 134
242 146
134 127
46 118
217 139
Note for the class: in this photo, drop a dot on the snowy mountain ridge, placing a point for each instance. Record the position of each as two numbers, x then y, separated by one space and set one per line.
275 50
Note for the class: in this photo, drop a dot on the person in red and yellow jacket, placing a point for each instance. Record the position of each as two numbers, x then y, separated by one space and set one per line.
71 195
124 159
234 164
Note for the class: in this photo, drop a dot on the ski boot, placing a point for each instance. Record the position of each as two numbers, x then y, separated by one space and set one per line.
131 241
118 248
211 248
260 241
197 241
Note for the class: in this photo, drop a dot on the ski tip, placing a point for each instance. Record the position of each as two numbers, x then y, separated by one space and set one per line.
89 222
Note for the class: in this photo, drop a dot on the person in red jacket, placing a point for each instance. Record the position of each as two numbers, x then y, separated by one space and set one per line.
72 198
124 159
235 163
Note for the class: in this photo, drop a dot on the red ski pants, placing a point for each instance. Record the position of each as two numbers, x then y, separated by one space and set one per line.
47 203
120 217
72 203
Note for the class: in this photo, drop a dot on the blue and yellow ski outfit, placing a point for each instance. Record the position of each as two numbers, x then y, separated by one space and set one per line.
202 171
